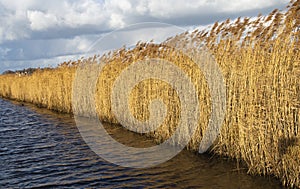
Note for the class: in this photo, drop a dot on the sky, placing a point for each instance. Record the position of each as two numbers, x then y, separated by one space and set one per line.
37 33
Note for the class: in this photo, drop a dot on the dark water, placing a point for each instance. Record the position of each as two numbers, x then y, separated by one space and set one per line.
40 148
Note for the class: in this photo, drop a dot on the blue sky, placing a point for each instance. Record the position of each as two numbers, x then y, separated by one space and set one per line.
40 33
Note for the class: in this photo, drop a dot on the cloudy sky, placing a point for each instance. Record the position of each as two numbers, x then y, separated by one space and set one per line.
40 33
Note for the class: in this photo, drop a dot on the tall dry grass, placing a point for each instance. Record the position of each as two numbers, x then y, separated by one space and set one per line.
260 61
49 88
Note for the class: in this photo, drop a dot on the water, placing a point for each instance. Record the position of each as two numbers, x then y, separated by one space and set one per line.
40 148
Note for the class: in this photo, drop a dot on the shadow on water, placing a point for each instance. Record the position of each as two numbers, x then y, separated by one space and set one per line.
40 148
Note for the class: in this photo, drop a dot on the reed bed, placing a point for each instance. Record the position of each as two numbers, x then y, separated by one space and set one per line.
48 88
260 61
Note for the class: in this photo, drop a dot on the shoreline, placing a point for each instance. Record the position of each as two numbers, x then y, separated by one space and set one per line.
261 73
236 166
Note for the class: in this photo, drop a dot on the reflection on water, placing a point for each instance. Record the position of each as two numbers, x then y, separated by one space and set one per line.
40 148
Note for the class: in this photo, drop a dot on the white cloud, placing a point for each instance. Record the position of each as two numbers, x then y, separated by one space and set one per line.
83 12
142 7
245 5
36 28
41 21
119 6
116 21
13 25
20 19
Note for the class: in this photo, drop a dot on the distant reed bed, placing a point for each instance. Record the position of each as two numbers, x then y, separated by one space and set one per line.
260 61
49 88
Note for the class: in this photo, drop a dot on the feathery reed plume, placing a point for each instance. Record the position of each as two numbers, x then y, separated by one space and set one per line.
260 60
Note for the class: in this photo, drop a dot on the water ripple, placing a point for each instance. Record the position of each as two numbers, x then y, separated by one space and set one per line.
40 148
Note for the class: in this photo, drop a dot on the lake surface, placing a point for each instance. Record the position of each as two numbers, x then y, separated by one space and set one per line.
40 148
